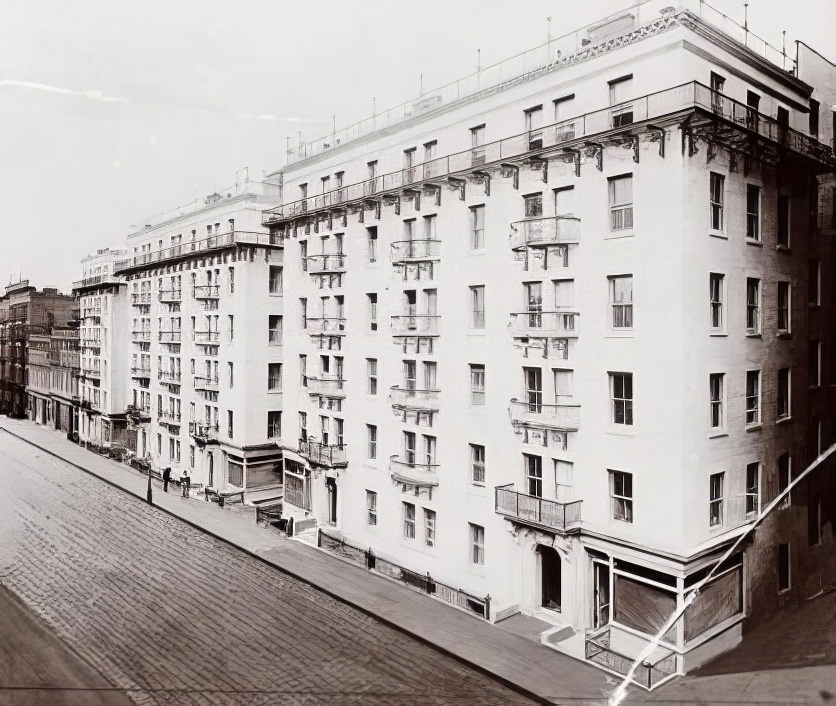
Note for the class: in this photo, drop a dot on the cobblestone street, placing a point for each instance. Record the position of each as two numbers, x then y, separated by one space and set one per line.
173 616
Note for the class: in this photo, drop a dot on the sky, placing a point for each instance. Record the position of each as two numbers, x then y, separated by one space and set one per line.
113 111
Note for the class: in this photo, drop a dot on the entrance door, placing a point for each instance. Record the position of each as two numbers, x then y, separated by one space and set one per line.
331 485
602 594
549 577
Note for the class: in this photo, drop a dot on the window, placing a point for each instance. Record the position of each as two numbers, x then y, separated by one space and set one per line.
563 108
533 125
324 429
814 282
814 365
715 499
621 301
621 395
717 83
371 371
783 221
753 397
231 280
533 205
477 228
477 464
371 300
371 435
753 296
784 408
275 330
229 370
621 495
814 118
429 527
429 150
533 382
477 384
783 307
159 444
814 522
717 187
715 384
753 101
371 507
191 456
276 279
229 423
784 468
339 425
430 375
477 544
783 567
753 212
477 300
303 426
409 447
371 235
621 202
533 469
429 450
274 377
274 425
408 521
716 283
477 139
303 254
753 471
620 91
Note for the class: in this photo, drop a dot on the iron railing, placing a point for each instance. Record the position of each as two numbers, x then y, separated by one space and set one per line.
552 323
539 232
415 325
565 417
413 398
323 454
647 673
413 250
411 473
534 510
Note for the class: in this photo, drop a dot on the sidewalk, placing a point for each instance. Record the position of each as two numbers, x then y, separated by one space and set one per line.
521 664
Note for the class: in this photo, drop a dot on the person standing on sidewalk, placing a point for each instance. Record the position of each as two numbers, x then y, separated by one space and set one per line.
186 482
166 478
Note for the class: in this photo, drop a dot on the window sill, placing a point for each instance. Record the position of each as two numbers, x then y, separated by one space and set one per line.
621 333
783 334
718 234
783 248
616 234
718 434
754 427
754 242
718 334
753 334
783 420
617 431
477 332
480 251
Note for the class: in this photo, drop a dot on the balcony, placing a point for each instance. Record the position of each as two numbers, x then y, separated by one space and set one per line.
537 512
142 335
202 382
96 281
545 232
170 296
412 325
169 417
93 343
169 376
204 337
88 372
404 398
419 475
325 325
328 386
141 299
91 312
560 417
206 291
140 372
169 336
320 264
323 454
404 251
138 415
545 323
203 432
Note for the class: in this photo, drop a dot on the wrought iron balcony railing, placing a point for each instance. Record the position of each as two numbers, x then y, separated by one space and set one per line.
563 417
330 386
166 376
412 398
325 324
315 264
203 430
536 511
141 299
415 250
546 323
415 325
323 454
169 336
142 335
542 232
202 382
206 291
170 295
140 372
205 336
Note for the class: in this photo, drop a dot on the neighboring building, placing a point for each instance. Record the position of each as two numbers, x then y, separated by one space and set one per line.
548 341
38 386
24 313
65 368
205 311
103 346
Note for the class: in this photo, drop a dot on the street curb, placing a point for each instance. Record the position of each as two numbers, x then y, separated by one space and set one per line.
513 686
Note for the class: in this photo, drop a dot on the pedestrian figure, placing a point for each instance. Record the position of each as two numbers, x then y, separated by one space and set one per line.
166 478
186 483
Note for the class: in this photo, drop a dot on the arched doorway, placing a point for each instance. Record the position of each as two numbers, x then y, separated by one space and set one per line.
550 577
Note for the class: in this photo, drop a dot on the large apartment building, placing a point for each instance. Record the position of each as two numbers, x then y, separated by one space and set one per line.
203 333
556 334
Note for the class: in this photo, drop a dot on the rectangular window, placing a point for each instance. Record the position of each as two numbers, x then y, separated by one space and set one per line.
429 527
533 205
371 300
477 139
784 470
409 447
371 371
429 449
813 297
784 395
229 418
784 307
814 522
753 212
563 385
717 83
717 188
753 471
276 279
563 111
303 426
371 507
408 521
533 125
477 464
716 282
229 370
477 228
274 377
274 337
783 567
477 300
303 370
477 384
621 202
621 397
621 301
753 296
274 425
371 435
371 235
753 397
231 280
715 384
533 469
621 495
303 254
715 499
783 221
814 348
477 544
814 117
620 92
533 381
